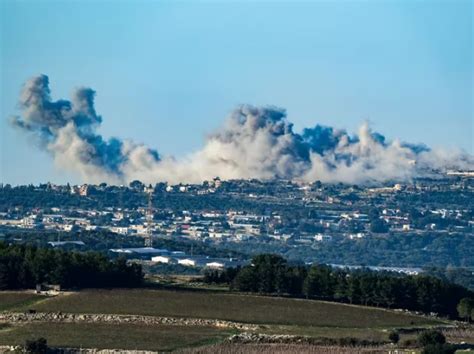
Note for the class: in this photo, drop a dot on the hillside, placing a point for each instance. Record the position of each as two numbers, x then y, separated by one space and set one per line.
169 319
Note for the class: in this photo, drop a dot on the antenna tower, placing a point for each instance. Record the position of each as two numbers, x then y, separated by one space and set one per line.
149 219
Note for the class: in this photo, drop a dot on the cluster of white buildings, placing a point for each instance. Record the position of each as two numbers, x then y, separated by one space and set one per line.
164 256
196 261
218 226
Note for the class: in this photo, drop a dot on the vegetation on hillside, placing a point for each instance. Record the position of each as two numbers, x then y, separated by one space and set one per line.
272 274
26 266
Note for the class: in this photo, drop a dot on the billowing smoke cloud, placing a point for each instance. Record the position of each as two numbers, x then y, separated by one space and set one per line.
253 143
67 129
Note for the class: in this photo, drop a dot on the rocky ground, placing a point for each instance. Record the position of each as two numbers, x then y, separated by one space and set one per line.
17 317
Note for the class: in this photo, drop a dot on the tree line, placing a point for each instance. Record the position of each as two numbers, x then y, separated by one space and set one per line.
25 266
271 274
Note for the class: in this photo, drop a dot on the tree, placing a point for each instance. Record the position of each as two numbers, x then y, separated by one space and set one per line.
318 282
4 284
25 266
295 278
353 289
269 269
394 337
137 185
378 226
374 214
439 349
246 280
466 308
431 337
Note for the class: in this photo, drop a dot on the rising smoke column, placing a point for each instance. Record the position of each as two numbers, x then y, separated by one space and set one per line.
254 142
67 130
368 157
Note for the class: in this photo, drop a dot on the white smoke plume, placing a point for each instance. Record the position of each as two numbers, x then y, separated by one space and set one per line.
253 143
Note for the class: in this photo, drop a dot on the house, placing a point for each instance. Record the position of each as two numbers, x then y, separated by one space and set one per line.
82 190
31 221
69 227
48 288
358 235
119 230
322 238
279 237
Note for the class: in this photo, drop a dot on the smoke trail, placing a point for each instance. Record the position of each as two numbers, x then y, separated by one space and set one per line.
253 143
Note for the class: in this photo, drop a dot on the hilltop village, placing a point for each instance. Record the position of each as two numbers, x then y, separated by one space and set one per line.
234 214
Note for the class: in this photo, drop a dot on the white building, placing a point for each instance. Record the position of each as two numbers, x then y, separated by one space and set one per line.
162 259
215 265
193 261
322 238
30 221
119 230
69 227
356 236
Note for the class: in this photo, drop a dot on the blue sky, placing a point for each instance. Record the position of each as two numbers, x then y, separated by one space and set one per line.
168 72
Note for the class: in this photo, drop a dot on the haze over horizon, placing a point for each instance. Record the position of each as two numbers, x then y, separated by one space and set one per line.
168 73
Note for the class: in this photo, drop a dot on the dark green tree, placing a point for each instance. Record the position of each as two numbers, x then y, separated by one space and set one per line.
465 308
431 337
394 337
378 226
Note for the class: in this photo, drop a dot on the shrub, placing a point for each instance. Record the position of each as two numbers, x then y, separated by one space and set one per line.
36 346
410 343
439 349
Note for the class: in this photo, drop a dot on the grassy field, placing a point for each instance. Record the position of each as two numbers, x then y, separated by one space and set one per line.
279 315
11 300
234 307
120 336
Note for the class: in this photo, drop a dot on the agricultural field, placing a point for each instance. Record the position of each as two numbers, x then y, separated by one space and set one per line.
232 307
121 336
275 316
11 300
263 348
